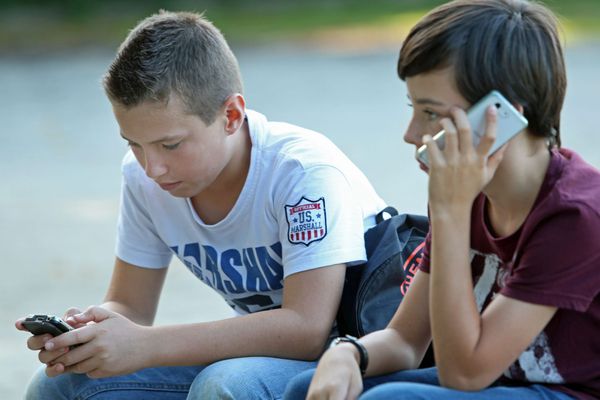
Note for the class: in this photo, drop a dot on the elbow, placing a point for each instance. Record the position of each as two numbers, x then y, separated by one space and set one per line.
312 354
315 347
313 341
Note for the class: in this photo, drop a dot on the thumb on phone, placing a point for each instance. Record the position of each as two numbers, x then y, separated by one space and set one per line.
68 317
92 314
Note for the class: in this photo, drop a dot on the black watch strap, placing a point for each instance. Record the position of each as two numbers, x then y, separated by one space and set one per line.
362 351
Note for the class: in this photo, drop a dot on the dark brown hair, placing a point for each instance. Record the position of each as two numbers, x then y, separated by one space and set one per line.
174 53
511 46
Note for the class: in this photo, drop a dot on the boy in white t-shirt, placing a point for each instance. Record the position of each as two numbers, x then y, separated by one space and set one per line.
267 214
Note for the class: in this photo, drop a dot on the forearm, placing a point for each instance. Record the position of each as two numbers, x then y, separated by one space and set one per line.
389 352
455 320
277 333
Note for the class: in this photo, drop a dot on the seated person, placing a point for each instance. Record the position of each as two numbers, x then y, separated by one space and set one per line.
267 214
508 289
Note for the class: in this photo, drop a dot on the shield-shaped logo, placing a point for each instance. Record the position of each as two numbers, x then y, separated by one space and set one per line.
307 221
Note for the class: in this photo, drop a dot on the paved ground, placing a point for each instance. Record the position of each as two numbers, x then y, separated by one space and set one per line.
60 154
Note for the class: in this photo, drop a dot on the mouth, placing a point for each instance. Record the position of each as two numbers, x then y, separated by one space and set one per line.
168 186
423 167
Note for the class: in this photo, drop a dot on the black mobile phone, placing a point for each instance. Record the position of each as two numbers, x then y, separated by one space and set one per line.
40 324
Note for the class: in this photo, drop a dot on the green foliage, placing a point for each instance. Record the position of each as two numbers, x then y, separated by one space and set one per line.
55 24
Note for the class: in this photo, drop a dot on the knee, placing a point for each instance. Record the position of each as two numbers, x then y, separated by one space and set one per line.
43 387
403 391
221 380
249 378
297 388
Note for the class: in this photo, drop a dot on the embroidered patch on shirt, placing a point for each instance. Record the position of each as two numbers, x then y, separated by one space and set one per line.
306 221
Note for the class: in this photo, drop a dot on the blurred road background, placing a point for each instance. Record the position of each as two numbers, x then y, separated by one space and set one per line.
326 65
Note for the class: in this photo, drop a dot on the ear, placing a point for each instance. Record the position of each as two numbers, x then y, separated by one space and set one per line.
235 112
519 108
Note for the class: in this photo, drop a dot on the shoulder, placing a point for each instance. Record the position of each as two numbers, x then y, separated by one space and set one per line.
572 189
578 181
292 144
566 216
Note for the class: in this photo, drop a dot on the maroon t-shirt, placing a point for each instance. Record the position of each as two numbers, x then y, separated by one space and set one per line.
553 259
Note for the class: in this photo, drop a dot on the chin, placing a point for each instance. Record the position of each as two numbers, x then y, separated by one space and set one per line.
180 192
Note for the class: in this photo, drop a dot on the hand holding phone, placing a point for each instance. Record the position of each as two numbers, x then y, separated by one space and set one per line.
40 324
509 123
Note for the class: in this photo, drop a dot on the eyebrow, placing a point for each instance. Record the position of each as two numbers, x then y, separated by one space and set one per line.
164 139
426 101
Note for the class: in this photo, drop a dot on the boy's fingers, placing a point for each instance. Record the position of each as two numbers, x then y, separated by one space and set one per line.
489 137
71 338
72 311
450 137
48 357
76 355
54 370
463 128
68 316
93 314
495 159
37 342
19 324
433 151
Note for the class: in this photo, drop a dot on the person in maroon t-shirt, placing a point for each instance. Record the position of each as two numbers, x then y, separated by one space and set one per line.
509 285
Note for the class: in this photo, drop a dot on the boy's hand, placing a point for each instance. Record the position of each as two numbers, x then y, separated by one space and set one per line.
461 171
337 376
109 344
37 342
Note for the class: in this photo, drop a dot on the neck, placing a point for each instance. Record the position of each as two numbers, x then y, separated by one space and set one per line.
512 192
216 201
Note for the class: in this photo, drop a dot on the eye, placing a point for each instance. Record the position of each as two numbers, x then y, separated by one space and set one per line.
431 115
171 146
132 144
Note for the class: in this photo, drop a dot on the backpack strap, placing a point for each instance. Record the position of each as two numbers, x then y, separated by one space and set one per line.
386 213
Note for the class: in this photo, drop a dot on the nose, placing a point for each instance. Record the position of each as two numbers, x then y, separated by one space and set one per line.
413 135
154 165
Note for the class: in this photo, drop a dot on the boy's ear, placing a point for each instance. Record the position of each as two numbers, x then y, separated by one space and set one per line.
519 108
235 112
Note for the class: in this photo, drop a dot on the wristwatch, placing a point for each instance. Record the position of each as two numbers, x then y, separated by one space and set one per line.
362 351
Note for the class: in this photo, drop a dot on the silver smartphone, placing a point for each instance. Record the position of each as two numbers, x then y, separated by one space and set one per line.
509 123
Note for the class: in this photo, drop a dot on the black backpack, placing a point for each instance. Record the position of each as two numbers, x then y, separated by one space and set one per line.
373 290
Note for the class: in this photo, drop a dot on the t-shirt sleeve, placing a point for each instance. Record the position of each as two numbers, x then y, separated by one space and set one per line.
560 264
320 221
137 240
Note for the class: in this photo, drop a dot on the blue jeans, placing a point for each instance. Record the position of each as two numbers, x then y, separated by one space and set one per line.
239 378
423 384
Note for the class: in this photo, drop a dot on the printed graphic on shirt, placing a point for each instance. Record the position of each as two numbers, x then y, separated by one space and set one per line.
307 221
536 363
487 267
250 279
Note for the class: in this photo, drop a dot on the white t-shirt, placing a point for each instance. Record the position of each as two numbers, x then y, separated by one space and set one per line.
304 205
